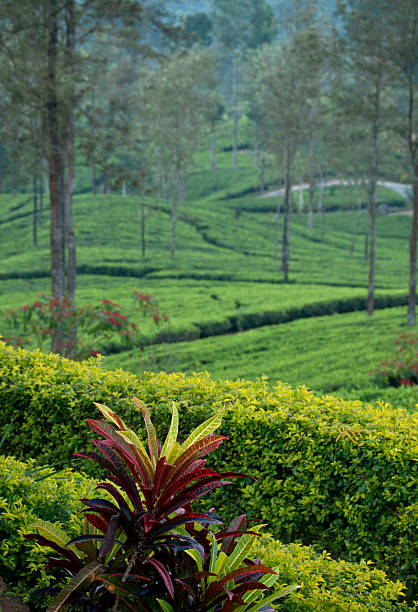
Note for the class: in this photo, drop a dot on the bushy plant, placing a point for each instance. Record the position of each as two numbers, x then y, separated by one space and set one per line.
402 369
29 493
337 474
39 321
149 544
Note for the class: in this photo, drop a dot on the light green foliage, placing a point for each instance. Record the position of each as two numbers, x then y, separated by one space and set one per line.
338 474
329 585
29 492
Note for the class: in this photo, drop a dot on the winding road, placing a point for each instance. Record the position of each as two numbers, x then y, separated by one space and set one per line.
400 188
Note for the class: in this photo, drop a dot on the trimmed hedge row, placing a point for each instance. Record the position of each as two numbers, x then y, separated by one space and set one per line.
338 474
27 493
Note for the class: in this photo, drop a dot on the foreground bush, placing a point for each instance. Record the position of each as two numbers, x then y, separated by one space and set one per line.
147 546
28 493
339 474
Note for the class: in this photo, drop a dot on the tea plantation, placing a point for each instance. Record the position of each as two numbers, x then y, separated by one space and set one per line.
334 454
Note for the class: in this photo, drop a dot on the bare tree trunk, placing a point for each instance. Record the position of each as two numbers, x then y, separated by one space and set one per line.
41 199
143 218
357 221
212 147
174 212
277 239
262 172
68 199
286 224
366 236
412 300
234 110
56 170
35 212
372 196
70 239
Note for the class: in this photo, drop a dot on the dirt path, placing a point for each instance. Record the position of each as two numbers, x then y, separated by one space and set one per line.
400 188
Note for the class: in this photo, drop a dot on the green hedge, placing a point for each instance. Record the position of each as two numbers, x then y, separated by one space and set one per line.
27 494
337 474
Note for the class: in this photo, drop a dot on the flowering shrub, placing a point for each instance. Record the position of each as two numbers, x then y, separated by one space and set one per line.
40 320
403 368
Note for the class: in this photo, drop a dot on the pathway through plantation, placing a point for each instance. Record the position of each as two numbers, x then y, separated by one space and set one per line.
400 188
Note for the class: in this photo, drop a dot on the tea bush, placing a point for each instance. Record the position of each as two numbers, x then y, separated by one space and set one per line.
27 494
340 474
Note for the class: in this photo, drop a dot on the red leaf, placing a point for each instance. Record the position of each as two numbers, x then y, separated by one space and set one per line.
97 521
247 571
181 483
163 573
196 450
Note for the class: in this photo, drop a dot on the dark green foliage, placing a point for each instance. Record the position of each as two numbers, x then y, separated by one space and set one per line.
334 473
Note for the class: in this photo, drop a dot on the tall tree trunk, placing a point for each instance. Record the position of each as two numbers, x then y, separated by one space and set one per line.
357 221
41 199
212 146
287 216
277 239
70 239
35 212
234 110
372 195
412 300
174 211
69 227
366 236
56 170
143 218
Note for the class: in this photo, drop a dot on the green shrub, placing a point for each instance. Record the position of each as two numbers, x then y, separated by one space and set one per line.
26 495
339 474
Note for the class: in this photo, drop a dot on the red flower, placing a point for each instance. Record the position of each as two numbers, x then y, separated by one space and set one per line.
37 304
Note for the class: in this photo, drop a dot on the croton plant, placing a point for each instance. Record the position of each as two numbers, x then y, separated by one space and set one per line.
148 549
